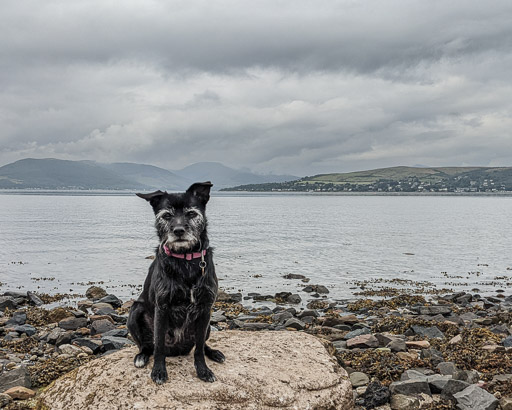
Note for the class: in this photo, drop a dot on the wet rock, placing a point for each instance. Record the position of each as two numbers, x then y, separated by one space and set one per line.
228 297
64 338
474 397
332 321
121 319
410 387
358 379
116 333
376 395
112 300
7 302
218 316
316 288
433 355
252 325
114 343
435 310
78 313
85 304
357 332
452 387
54 335
101 326
20 393
73 323
363 341
29 330
294 298
18 376
95 292
469 376
293 276
17 319
281 317
94 318
309 380
261 298
507 342
34 299
295 323
105 308
93 344
306 313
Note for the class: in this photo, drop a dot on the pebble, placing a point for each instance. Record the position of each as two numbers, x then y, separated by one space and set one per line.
358 379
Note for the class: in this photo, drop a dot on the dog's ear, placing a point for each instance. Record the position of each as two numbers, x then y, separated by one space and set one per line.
201 190
153 198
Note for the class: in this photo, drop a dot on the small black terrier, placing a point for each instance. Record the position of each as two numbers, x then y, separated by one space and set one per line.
172 315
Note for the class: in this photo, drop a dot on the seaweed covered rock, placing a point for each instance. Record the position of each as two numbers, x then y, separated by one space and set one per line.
262 370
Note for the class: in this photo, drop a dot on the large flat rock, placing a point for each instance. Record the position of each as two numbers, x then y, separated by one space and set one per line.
263 370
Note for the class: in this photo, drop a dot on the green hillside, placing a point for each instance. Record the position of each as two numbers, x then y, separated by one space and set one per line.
399 179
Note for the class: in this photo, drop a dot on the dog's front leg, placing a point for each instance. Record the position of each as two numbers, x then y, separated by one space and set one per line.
159 372
202 325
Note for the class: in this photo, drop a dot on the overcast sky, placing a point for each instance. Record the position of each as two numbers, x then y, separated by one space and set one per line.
298 87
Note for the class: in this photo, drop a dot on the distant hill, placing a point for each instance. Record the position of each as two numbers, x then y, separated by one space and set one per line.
150 176
52 173
223 176
399 179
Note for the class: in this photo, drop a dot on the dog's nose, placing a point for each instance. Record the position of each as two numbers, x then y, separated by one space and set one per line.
178 231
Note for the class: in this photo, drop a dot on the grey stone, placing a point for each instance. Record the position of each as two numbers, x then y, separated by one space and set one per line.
93 344
435 310
357 332
470 376
105 310
281 317
447 368
452 387
17 319
474 397
293 276
307 312
29 330
218 316
507 342
294 298
64 338
358 379
111 300
253 325
397 346
434 355
114 343
116 333
15 377
363 341
295 323
412 375
34 299
7 302
73 323
403 402
410 387
121 319
430 332
101 326
54 335
437 382
78 313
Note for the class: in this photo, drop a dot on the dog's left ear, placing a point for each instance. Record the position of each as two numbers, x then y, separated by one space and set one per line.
201 190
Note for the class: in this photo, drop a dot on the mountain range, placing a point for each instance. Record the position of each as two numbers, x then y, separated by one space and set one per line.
51 173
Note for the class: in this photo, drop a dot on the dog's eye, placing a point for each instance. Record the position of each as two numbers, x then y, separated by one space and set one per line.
191 214
166 216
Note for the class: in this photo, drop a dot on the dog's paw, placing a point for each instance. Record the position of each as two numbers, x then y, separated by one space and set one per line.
159 374
206 374
141 360
216 356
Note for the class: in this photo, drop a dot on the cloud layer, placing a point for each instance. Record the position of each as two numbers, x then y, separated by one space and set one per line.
285 86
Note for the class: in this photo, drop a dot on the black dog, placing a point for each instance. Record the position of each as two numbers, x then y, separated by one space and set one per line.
172 315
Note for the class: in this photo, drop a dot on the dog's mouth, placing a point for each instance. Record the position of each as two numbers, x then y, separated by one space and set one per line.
180 244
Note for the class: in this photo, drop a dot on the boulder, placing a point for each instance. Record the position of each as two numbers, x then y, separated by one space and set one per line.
281 369
15 377
101 326
95 292
73 323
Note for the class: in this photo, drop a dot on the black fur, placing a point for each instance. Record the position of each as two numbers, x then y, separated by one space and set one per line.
172 315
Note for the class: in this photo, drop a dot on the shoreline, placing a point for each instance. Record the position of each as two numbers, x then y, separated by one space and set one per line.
400 348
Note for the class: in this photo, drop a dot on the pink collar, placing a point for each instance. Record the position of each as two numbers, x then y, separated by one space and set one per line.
186 256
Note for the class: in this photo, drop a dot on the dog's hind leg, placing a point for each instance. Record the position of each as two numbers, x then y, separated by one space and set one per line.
142 334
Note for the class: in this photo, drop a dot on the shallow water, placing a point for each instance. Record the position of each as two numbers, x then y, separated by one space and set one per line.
67 241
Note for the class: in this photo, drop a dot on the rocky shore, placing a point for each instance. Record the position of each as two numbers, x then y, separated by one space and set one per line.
401 352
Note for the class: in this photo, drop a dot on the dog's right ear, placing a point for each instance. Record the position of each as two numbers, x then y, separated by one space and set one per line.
152 197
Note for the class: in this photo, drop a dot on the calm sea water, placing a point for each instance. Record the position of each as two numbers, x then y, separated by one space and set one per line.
64 242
